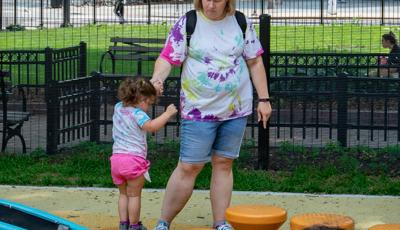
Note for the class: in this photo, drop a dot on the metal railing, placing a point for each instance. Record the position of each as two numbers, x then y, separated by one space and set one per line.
56 13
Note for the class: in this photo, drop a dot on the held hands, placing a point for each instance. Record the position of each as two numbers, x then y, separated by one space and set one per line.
171 110
159 85
264 111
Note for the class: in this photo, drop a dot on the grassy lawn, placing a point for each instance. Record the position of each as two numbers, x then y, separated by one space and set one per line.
309 38
88 165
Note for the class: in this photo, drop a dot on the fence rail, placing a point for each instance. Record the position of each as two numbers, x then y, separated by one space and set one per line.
56 13
38 72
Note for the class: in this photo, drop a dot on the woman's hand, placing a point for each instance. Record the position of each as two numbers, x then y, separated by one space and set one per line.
159 85
264 111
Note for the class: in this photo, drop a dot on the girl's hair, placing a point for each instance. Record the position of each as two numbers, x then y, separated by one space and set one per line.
132 90
391 37
230 7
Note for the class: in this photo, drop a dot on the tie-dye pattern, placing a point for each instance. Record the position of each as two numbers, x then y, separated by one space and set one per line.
215 81
127 134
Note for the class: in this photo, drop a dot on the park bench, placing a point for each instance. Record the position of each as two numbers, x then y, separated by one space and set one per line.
12 120
132 49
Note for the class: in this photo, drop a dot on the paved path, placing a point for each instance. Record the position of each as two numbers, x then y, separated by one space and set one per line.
96 208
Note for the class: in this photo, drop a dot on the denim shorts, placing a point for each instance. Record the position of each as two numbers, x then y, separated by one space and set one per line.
201 139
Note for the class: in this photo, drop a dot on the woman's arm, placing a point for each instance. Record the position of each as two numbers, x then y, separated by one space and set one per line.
162 68
259 77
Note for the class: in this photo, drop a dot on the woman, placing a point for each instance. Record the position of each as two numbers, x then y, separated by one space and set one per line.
215 100
389 41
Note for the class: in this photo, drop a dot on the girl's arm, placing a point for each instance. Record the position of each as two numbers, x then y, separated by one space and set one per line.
159 122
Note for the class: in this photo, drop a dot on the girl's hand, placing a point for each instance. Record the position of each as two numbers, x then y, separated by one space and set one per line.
171 110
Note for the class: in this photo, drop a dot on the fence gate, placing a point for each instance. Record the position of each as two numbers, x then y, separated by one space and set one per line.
70 112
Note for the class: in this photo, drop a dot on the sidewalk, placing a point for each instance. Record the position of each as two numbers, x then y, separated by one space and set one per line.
96 208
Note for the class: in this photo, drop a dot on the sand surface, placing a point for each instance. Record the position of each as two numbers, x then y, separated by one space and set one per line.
97 208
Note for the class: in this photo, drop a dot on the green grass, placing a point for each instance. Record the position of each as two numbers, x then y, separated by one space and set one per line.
88 165
309 38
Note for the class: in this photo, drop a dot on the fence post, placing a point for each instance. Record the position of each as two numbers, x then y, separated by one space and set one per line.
1 15
82 59
66 14
262 7
148 12
95 107
321 13
94 12
41 14
51 103
341 97
263 134
15 12
382 12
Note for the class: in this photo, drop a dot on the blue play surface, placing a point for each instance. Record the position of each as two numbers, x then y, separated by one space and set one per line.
15 216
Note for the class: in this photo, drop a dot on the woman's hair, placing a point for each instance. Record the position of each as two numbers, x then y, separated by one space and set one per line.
230 7
132 90
391 37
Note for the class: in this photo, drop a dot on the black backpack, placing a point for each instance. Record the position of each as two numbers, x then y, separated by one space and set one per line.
191 19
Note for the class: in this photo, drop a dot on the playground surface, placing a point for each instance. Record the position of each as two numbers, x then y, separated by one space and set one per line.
96 208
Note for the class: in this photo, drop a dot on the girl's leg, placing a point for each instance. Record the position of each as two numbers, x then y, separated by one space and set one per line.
123 203
134 191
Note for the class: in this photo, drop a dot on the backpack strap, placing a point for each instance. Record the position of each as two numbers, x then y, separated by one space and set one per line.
191 19
241 19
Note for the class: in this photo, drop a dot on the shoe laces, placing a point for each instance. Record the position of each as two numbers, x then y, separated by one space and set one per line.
161 226
224 227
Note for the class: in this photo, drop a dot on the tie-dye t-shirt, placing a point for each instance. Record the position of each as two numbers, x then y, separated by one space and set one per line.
215 80
127 134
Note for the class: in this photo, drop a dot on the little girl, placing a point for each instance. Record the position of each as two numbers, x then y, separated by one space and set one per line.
129 166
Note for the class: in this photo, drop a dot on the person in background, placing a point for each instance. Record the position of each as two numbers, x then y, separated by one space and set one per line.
389 41
119 10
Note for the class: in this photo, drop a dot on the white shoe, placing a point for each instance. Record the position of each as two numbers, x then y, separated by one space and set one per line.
161 226
225 226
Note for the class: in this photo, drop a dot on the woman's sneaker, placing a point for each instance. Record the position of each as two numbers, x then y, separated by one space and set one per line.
161 226
224 226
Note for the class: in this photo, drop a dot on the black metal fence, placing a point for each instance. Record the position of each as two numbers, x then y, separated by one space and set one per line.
296 24
37 72
56 13
317 98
